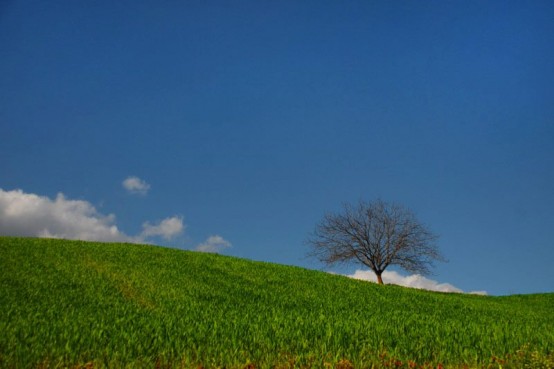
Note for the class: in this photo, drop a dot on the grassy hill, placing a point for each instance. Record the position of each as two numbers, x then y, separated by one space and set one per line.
72 303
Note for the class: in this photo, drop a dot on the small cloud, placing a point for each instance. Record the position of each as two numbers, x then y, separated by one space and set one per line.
413 281
215 244
168 228
135 185
481 293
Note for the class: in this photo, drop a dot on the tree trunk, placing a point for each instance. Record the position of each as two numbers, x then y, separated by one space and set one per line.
379 279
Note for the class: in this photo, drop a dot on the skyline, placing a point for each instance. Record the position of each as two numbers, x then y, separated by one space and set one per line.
235 127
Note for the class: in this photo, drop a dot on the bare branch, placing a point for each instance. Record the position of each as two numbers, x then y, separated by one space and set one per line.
375 234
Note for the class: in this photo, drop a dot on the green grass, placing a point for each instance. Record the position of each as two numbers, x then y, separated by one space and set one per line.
71 303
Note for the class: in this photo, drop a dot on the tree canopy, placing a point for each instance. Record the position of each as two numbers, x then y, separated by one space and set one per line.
376 234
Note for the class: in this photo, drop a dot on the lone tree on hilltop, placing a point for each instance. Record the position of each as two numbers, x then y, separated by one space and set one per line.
376 234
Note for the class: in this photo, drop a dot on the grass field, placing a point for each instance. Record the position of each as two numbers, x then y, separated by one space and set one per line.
71 304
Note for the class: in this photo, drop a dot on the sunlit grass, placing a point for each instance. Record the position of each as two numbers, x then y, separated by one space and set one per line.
70 303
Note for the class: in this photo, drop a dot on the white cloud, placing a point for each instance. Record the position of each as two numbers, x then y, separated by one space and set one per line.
23 214
413 281
27 214
135 185
214 244
482 293
167 228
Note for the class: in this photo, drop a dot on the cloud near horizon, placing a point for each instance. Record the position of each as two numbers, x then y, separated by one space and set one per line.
135 185
167 228
214 244
27 214
413 281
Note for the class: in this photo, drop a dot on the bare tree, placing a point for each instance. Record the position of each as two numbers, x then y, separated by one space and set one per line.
376 234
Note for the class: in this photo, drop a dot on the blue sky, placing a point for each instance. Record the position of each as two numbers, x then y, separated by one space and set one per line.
249 120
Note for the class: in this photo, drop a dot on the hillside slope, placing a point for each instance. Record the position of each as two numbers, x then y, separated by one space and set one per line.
71 302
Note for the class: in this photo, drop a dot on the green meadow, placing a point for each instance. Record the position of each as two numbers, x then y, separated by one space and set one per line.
87 304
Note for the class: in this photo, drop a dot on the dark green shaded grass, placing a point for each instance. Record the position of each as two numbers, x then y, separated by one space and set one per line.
65 303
